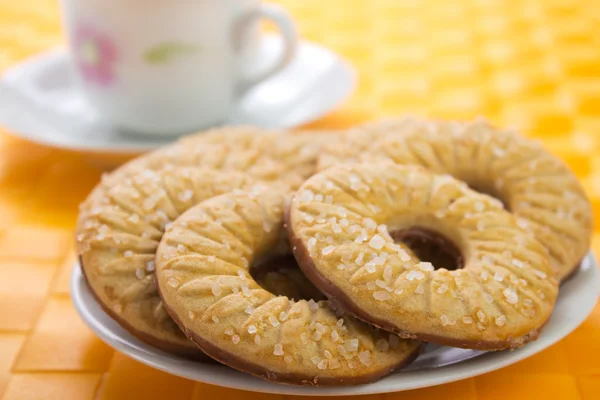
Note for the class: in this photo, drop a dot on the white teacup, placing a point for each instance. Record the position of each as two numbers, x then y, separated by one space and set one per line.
169 66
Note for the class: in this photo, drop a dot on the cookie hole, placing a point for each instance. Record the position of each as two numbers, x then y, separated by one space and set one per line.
430 246
282 276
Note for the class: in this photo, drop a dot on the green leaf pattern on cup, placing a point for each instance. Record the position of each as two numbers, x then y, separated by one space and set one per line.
163 53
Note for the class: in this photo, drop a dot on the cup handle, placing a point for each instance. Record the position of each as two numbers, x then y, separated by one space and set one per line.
287 30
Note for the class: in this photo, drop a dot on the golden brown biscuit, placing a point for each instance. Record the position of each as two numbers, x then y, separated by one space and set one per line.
202 269
534 185
341 224
117 238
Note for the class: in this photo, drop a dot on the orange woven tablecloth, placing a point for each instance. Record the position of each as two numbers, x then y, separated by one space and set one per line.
532 64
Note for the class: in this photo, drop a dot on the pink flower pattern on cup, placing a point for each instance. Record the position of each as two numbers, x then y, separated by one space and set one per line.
95 55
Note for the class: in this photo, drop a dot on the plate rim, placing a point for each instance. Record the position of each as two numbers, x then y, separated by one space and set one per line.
132 148
422 378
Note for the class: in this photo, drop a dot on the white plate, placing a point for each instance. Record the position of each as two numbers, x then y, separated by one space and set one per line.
39 100
577 299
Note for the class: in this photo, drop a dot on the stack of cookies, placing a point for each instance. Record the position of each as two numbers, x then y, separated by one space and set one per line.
320 259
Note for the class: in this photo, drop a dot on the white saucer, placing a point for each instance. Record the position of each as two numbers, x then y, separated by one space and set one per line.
577 299
39 101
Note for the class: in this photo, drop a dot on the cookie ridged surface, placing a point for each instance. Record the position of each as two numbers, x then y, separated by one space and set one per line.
203 266
534 185
263 154
340 222
118 237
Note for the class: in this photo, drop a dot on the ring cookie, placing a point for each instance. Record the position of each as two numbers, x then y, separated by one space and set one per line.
535 186
342 224
118 237
202 269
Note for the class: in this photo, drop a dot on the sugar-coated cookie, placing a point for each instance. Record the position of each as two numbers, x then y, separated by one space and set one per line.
202 269
343 221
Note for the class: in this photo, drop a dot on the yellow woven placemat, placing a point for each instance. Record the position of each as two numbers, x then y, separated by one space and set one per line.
531 64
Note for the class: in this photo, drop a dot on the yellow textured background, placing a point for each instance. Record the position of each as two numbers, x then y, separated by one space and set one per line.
534 65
